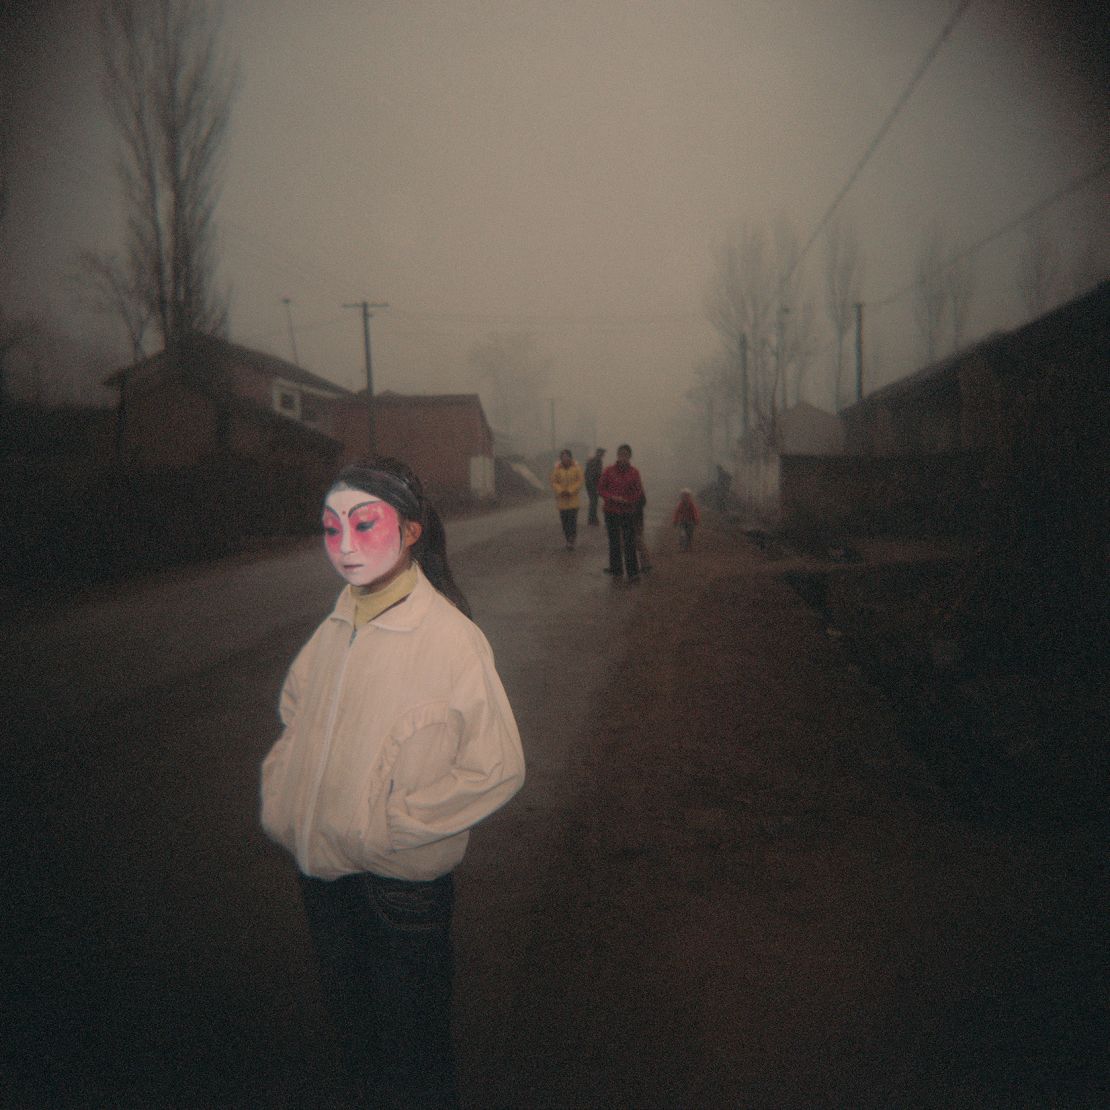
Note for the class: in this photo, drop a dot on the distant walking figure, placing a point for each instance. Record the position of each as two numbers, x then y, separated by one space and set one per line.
593 476
621 490
566 481
686 516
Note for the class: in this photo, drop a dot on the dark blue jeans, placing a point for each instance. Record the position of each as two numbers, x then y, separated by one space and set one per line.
386 964
622 541
569 520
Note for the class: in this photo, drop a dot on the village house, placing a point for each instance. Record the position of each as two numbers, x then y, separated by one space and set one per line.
802 429
211 398
1018 417
445 438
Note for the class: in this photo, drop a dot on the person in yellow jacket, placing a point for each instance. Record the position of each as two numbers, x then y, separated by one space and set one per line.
566 481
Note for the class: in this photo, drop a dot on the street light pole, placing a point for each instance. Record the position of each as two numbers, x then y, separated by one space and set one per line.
366 314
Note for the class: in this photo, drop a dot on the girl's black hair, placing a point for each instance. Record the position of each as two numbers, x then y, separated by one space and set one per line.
396 483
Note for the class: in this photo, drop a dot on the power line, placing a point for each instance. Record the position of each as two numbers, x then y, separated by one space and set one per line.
898 106
301 329
1005 229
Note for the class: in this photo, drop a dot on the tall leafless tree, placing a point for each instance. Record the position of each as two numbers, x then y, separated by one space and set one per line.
931 303
1039 267
108 286
16 332
513 367
796 326
754 301
959 288
169 90
716 396
740 304
843 281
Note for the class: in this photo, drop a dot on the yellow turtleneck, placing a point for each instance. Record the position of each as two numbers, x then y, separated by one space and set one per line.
372 603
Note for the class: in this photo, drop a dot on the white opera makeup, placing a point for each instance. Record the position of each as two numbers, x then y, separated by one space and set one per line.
363 537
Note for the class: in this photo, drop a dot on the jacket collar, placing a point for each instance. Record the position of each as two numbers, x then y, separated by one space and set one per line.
405 616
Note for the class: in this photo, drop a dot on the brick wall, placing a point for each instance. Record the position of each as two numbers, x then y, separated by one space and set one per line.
907 495
438 439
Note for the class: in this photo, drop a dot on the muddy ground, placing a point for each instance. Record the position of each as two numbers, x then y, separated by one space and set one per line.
779 889
766 856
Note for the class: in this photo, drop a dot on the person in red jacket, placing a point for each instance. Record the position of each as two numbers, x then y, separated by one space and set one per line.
621 492
686 515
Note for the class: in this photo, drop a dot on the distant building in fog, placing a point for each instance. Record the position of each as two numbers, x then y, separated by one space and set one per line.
802 429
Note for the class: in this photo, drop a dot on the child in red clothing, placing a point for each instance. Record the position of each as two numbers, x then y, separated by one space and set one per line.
686 515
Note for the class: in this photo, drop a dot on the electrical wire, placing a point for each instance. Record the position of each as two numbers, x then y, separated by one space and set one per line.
1011 225
899 104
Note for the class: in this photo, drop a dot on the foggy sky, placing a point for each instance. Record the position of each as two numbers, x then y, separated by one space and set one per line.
566 168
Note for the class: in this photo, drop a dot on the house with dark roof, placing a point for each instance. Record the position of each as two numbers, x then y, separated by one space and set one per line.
210 397
1017 420
981 396
180 406
756 464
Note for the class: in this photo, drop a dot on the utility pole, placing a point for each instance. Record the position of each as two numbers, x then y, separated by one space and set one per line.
709 434
554 442
859 351
744 383
366 314
292 335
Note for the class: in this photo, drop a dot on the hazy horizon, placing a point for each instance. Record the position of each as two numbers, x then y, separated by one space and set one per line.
567 169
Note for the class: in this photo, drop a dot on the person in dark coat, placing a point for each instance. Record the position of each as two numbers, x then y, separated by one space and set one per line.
594 465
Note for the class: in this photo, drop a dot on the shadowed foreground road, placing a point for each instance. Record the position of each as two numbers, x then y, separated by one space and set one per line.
725 883
160 956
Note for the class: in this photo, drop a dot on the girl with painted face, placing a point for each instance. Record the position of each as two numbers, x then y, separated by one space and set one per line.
397 740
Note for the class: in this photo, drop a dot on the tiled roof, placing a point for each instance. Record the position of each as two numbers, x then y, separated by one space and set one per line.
223 352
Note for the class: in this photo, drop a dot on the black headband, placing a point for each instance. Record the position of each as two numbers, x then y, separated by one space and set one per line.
389 488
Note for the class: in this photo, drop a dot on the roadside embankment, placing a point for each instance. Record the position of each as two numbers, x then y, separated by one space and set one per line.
766 897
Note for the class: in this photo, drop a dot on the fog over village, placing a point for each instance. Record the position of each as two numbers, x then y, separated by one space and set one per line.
782 740
569 174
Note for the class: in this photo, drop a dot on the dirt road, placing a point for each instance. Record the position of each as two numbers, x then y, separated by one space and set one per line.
761 899
726 882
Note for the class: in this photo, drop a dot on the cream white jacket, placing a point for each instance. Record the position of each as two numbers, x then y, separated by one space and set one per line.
398 738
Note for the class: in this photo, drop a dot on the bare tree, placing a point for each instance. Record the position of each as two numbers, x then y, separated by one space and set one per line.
16 332
511 363
796 320
799 346
755 302
716 395
931 303
959 288
109 286
740 304
1039 267
843 280
169 92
